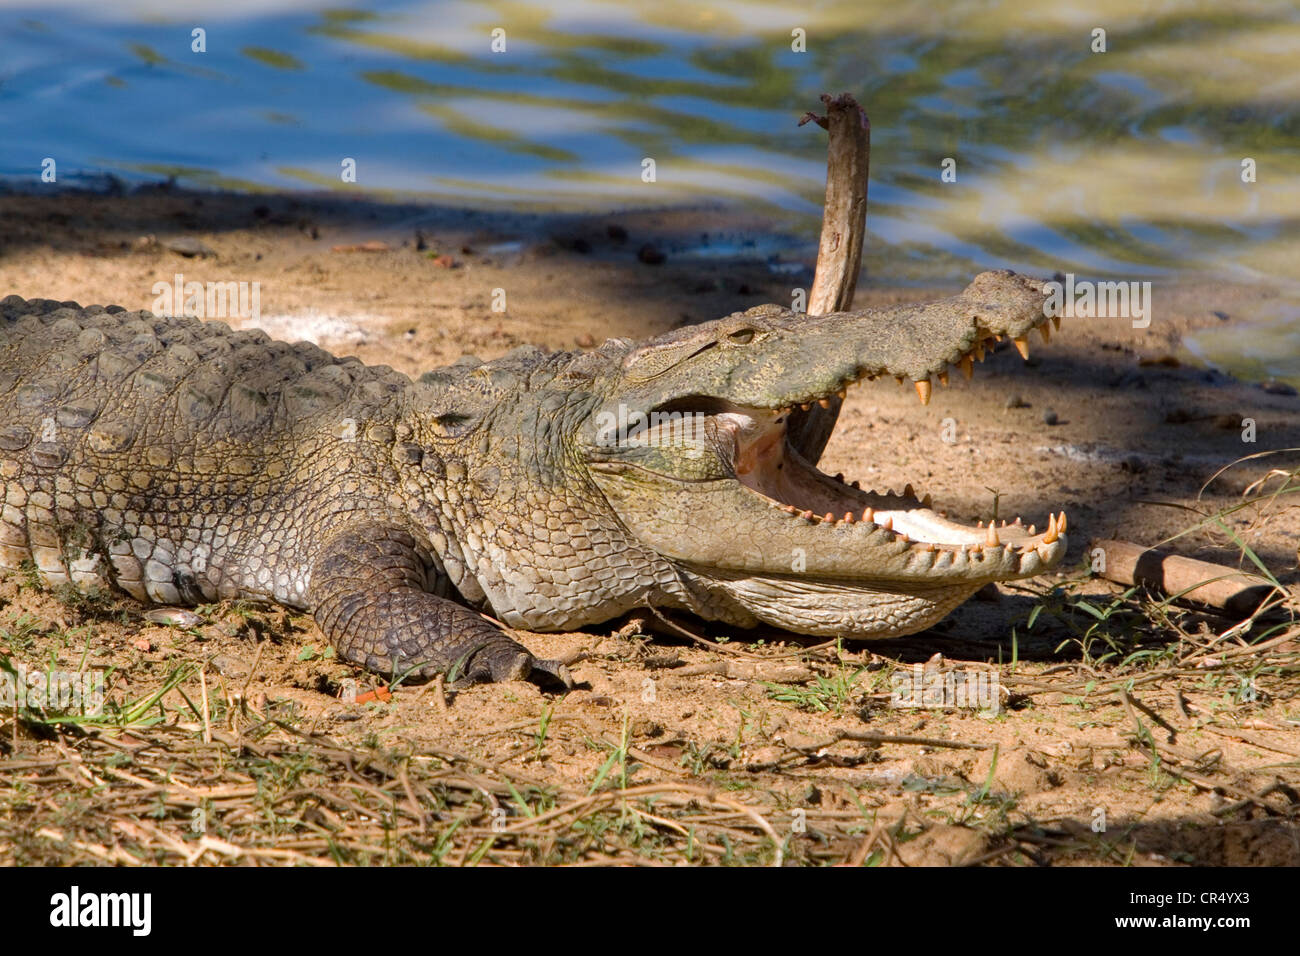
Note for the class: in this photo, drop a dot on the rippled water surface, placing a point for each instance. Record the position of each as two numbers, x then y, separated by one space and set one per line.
1126 163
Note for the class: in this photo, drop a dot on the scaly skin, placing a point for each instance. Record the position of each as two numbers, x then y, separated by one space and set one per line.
181 462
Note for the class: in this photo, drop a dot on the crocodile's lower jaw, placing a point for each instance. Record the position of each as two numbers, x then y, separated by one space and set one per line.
839 609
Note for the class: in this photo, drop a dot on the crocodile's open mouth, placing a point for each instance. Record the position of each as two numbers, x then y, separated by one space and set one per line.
767 466
756 444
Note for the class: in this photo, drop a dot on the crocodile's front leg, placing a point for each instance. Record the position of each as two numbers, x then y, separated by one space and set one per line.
368 596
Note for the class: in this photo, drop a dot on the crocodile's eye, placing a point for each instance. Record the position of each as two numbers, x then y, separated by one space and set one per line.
741 336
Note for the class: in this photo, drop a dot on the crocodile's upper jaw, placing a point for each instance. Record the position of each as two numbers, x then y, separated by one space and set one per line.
719 488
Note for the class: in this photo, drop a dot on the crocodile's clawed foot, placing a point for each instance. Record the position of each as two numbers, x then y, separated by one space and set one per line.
555 671
507 662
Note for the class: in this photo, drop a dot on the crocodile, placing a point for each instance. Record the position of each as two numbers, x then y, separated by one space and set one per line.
420 521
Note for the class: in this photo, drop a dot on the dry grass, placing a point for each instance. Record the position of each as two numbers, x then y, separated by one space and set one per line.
184 769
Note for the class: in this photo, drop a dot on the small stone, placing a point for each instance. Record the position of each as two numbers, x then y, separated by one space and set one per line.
1015 401
1050 417
189 247
1160 361
585 340
651 255
1227 421
173 617
616 232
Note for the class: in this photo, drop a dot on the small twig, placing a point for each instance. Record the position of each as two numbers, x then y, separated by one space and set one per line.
203 687
737 670
1173 732
243 691
866 737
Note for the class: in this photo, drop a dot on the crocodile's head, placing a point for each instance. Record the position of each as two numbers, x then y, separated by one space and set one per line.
705 441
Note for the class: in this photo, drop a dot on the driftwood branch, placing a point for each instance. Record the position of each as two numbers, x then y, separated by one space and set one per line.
1188 579
839 254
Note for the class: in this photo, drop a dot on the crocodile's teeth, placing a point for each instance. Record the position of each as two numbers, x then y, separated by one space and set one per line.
1032 529
1050 535
1022 346
868 513
927 501
887 524
805 406
843 393
992 539
923 389
1045 331
1056 321
1060 525
909 491
824 402
848 517
967 366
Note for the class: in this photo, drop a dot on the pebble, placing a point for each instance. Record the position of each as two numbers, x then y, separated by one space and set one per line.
1160 361
1015 401
651 255
173 617
188 246
1050 417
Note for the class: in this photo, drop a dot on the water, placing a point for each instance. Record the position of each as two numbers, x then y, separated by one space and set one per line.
1123 164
